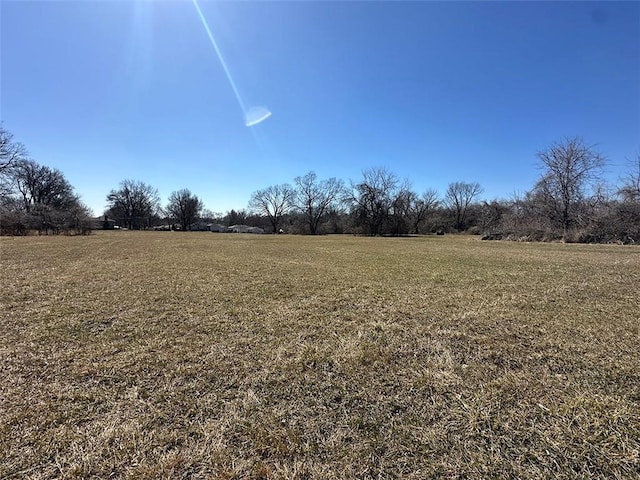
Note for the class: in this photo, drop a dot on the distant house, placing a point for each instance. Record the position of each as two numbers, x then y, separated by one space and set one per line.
216 227
199 227
245 229
103 222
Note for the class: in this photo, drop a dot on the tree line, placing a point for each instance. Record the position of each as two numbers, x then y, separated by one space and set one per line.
34 197
569 202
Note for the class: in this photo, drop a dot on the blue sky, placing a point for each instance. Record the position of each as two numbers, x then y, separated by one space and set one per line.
436 92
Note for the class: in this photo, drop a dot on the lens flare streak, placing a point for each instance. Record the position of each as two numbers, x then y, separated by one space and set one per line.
219 53
250 116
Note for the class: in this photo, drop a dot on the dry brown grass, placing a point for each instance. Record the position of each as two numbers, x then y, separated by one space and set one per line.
168 355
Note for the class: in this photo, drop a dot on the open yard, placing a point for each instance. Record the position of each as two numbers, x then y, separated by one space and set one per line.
171 355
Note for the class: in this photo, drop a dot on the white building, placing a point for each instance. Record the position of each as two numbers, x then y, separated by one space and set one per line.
245 229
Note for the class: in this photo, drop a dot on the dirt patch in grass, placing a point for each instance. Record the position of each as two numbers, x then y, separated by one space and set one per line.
169 355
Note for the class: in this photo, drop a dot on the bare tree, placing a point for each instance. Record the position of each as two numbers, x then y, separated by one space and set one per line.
10 151
134 202
236 217
210 216
34 196
41 185
371 199
314 198
491 216
399 213
184 207
630 190
571 168
458 197
41 199
421 207
274 202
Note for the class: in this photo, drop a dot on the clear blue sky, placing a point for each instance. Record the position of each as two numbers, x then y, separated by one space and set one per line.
436 92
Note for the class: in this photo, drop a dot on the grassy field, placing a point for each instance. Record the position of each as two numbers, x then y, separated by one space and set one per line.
197 355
